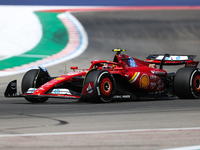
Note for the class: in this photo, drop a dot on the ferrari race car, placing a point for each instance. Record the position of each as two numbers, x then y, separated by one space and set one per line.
123 78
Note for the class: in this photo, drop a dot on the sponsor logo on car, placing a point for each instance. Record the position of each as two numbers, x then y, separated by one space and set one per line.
56 91
61 91
31 90
144 81
178 58
153 85
153 77
158 72
160 85
122 96
89 89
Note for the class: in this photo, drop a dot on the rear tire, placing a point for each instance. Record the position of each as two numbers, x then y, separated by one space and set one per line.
32 79
187 83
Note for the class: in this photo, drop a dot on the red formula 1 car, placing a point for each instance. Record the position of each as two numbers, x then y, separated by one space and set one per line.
123 78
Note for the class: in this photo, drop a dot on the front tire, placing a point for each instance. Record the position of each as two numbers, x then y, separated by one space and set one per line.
32 79
187 83
104 86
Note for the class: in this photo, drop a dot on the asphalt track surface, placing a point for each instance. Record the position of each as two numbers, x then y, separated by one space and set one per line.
141 33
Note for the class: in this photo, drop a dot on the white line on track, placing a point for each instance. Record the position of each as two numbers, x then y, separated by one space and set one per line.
196 147
98 132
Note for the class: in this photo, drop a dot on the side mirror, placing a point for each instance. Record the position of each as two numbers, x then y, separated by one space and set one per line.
74 67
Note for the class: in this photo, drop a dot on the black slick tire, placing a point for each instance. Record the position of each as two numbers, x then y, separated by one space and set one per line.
31 80
104 86
187 83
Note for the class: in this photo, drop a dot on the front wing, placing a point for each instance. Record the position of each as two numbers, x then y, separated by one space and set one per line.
11 91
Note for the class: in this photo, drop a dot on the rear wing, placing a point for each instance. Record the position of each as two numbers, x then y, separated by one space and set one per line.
167 59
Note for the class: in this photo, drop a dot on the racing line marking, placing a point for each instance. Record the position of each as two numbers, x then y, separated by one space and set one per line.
99 132
196 147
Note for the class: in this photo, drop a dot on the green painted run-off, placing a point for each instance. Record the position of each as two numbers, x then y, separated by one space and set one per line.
54 39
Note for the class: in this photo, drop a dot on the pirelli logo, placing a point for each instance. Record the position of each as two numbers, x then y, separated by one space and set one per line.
134 77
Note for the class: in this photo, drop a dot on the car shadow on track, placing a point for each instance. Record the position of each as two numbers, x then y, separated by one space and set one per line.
77 102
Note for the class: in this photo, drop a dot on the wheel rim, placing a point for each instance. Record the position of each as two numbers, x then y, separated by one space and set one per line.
106 87
196 83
